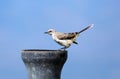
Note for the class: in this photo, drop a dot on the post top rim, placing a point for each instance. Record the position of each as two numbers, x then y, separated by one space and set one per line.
41 50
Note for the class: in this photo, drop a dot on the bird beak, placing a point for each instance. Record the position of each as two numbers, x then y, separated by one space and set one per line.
46 32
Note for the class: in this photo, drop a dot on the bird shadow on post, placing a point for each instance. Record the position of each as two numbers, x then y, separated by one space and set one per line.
44 64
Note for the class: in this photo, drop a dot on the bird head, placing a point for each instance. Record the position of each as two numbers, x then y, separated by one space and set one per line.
50 31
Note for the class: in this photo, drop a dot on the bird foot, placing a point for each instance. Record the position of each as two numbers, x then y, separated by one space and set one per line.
63 48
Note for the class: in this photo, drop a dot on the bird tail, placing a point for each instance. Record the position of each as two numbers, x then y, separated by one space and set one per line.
90 26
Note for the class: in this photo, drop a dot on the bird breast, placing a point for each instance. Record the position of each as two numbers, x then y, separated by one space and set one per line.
66 43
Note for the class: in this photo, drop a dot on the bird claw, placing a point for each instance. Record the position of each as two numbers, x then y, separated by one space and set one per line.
63 48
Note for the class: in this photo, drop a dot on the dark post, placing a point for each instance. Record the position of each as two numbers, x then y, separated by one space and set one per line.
44 64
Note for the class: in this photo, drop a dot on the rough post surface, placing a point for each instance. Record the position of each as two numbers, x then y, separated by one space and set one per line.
44 64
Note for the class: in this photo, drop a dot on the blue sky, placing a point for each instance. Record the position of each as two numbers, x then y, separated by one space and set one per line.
23 23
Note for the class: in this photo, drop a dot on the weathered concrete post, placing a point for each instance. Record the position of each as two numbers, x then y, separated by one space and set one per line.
44 64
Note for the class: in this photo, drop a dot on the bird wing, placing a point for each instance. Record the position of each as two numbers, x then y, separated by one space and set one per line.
66 36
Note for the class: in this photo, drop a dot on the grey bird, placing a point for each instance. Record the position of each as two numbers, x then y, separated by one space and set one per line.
66 39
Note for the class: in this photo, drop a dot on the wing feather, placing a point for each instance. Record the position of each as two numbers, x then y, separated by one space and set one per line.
67 36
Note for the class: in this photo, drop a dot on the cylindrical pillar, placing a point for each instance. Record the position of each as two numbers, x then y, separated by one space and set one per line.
44 64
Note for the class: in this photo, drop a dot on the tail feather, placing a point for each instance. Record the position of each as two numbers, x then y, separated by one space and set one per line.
75 42
90 26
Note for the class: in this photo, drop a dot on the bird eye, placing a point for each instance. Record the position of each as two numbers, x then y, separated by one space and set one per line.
50 31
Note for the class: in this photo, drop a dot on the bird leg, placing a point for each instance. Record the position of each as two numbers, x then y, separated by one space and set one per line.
64 47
